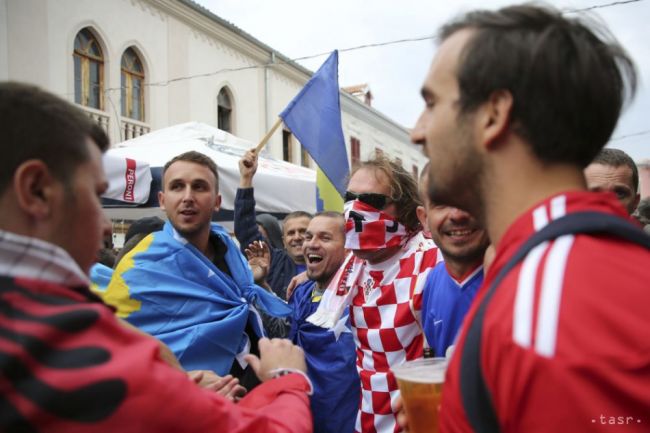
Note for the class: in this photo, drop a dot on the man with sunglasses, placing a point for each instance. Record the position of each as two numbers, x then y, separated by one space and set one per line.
382 282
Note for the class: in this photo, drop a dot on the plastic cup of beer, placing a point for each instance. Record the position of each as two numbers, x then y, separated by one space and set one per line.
420 383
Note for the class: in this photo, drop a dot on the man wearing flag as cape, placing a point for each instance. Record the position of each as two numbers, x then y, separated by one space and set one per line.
188 285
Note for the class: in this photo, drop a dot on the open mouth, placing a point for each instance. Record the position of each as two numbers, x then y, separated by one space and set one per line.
460 233
314 258
188 212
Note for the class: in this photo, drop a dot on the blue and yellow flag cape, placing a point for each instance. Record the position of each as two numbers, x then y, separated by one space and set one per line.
169 289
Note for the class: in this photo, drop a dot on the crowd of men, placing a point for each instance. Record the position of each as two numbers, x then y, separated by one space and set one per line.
498 257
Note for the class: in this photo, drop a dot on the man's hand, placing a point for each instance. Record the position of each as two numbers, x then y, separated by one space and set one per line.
274 354
402 419
259 259
227 386
295 282
247 169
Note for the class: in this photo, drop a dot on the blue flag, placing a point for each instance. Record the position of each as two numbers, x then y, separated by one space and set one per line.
169 289
314 117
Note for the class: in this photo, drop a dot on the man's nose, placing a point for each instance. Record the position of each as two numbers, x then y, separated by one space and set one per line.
458 215
107 227
188 194
417 133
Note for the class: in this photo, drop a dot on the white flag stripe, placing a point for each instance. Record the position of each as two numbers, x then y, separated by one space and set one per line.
522 325
558 207
551 296
540 218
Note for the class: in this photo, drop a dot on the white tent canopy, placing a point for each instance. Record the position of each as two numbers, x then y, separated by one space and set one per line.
280 187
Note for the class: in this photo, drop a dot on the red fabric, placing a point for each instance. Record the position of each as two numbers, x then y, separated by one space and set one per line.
145 395
385 314
367 228
594 375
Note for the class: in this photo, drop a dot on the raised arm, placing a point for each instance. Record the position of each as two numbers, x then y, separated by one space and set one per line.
246 230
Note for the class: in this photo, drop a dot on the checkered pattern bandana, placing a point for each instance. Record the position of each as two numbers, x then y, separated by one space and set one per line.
367 228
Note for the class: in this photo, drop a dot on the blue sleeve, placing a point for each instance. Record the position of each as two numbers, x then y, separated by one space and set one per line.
427 311
246 230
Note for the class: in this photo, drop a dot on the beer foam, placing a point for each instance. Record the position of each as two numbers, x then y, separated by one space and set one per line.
422 371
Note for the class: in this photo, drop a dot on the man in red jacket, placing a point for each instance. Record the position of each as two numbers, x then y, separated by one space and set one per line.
518 102
67 364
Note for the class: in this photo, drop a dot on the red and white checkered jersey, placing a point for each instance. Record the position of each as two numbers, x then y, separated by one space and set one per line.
385 319
565 344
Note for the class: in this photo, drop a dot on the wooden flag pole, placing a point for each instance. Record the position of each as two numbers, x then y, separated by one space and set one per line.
268 135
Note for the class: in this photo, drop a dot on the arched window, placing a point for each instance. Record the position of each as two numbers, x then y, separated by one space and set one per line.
88 70
132 86
224 111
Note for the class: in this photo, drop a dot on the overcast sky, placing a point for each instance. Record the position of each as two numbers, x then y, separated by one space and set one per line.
299 28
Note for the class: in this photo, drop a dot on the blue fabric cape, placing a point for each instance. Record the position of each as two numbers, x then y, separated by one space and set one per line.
331 366
100 276
189 304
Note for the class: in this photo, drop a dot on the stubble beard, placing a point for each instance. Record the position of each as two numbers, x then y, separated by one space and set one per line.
462 187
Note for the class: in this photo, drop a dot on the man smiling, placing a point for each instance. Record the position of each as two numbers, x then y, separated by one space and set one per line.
330 354
452 285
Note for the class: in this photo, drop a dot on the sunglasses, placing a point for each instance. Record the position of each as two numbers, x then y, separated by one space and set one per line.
378 201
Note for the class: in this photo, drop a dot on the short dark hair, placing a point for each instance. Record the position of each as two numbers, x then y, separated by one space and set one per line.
403 188
617 158
144 225
296 214
568 78
197 158
334 215
36 124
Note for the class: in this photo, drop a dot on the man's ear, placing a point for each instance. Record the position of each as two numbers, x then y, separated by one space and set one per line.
422 216
161 200
495 118
35 188
217 203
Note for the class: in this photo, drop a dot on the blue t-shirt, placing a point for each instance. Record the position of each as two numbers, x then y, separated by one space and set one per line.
445 303
331 365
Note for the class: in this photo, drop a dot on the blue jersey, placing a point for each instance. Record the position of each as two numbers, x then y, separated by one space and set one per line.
331 365
445 303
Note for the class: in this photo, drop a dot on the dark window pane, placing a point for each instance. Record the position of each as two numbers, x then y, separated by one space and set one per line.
77 79
95 90
223 119
136 100
95 50
223 99
123 95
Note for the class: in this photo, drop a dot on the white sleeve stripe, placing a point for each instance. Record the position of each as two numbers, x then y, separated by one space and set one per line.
558 207
522 325
540 218
551 296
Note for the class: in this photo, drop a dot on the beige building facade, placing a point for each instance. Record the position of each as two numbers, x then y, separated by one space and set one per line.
141 65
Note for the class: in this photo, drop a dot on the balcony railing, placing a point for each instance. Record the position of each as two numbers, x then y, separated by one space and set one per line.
98 116
133 128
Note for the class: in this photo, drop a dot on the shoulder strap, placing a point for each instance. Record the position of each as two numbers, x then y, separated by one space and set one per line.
477 399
